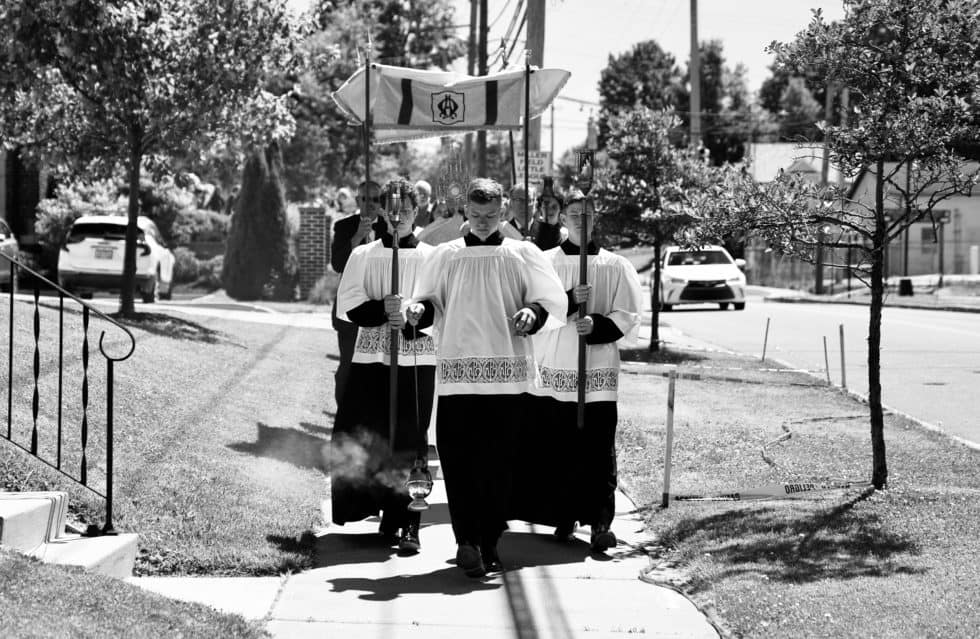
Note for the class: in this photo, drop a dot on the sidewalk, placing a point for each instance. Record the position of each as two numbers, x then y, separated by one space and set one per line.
362 589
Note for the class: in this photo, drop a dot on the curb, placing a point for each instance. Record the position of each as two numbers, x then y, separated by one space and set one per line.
806 300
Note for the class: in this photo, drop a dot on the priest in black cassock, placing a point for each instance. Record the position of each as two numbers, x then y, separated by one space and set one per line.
488 294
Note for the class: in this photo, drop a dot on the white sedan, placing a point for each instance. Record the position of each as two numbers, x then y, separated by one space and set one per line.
91 259
699 276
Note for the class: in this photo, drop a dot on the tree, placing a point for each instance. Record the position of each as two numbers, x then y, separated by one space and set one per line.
913 64
653 190
645 76
105 84
258 260
799 112
726 110
326 150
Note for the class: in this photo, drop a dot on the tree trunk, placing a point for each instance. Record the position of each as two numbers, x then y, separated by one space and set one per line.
655 300
127 306
879 472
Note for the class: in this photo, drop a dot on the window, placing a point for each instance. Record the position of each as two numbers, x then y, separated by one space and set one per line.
5 231
99 230
697 258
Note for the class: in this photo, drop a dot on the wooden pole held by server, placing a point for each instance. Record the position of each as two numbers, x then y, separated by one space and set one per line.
394 214
586 167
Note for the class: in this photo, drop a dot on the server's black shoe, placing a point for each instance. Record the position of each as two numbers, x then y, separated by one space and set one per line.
387 530
602 539
469 559
491 560
408 543
565 531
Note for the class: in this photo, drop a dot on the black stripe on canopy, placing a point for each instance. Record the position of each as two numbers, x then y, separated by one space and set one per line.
405 112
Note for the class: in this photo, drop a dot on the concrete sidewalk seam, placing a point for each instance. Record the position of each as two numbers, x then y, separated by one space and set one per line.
284 579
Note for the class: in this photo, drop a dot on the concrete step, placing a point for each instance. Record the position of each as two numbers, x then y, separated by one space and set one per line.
110 555
53 503
24 523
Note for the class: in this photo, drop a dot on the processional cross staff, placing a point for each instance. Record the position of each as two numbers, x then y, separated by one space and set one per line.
586 172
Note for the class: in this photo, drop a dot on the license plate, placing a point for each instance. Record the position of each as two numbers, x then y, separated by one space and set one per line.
103 253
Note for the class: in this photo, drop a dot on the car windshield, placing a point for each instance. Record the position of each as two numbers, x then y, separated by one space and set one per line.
100 230
696 258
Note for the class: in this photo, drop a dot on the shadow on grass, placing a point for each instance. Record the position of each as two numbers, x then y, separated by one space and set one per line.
172 327
663 356
792 544
288 445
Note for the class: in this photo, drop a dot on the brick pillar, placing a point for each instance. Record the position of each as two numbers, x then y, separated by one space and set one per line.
313 247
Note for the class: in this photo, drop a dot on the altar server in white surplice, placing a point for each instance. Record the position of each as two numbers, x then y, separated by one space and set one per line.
365 475
584 462
489 293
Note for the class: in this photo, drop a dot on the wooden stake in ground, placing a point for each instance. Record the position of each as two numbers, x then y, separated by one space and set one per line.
826 359
765 340
669 445
843 367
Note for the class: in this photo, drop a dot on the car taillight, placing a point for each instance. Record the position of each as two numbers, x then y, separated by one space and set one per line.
144 249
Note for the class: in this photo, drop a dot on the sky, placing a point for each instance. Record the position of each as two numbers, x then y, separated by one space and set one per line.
581 34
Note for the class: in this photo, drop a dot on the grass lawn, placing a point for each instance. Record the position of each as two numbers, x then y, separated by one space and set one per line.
219 428
904 562
52 601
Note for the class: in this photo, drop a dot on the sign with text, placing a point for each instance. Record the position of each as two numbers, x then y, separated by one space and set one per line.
540 165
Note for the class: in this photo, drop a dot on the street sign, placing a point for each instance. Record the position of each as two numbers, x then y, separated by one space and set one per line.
539 161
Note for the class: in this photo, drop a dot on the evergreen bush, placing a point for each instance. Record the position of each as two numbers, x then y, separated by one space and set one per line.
259 261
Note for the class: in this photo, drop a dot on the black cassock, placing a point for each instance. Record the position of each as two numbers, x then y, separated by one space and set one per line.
365 477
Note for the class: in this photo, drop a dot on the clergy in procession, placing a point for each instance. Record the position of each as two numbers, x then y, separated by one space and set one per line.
545 232
576 479
366 476
349 233
489 293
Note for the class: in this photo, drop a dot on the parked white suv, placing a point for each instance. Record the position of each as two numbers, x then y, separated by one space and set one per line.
9 247
91 257
700 276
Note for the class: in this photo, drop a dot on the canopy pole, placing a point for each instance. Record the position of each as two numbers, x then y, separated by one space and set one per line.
527 131
367 117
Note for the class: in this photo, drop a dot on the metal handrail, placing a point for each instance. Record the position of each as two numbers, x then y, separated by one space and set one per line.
87 310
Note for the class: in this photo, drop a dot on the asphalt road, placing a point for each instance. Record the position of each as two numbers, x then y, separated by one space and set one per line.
930 360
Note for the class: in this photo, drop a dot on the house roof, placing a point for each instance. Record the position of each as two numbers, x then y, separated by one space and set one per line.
767 159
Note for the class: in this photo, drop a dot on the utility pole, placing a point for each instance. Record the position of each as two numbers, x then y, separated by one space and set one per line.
535 43
471 70
481 136
828 112
552 147
695 68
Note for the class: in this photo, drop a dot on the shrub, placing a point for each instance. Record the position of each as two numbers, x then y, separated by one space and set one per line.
209 274
199 225
259 261
187 268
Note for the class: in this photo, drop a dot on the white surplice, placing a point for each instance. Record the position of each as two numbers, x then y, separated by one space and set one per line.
368 277
615 294
475 291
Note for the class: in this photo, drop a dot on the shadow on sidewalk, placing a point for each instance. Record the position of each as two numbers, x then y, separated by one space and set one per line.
286 444
446 581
